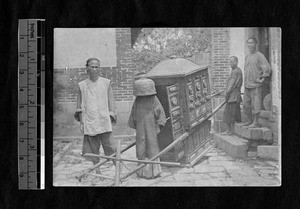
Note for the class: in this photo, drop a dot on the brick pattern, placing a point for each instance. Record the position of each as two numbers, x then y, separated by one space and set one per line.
220 70
123 90
65 81
220 55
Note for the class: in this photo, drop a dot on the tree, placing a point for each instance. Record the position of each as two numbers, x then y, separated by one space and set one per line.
154 45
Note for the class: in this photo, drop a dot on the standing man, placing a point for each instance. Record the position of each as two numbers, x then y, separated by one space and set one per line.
232 111
256 70
98 112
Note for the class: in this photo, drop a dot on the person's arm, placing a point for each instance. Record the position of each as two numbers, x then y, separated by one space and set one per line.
241 77
112 104
159 115
159 112
79 111
132 118
265 66
231 83
79 99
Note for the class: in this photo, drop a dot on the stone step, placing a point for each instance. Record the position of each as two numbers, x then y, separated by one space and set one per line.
259 134
231 144
268 152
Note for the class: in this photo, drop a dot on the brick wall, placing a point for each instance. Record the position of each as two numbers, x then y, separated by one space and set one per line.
220 55
124 74
220 70
66 80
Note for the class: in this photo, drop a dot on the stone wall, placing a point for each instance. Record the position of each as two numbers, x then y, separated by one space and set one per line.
275 61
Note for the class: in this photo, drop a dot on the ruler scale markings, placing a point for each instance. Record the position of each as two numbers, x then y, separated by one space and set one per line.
28 110
38 144
42 103
30 165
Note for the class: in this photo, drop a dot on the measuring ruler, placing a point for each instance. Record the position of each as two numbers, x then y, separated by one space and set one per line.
31 104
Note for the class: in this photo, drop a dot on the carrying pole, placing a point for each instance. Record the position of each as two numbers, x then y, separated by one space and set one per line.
217 108
137 161
164 151
117 175
171 146
101 163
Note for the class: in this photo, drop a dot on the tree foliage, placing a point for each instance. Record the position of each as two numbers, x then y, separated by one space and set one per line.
154 45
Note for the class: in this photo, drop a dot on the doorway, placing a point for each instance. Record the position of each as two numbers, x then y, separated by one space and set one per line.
263 47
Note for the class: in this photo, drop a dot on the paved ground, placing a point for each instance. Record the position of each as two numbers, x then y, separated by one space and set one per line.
216 168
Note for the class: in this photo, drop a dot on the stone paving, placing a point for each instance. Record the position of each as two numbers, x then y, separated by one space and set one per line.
216 168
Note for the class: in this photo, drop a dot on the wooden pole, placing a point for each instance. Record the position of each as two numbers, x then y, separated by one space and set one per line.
215 94
217 108
117 176
164 151
137 161
169 147
101 163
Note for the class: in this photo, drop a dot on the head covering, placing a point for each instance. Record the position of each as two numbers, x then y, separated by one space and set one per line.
91 59
252 38
144 87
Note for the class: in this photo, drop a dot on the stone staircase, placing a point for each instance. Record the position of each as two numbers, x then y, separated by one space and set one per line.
254 136
246 141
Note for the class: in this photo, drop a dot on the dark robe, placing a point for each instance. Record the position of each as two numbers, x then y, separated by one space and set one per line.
232 111
147 117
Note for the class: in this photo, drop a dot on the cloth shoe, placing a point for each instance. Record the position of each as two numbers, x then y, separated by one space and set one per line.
247 123
254 125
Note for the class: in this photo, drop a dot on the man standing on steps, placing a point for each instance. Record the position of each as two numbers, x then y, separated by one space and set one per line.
232 111
256 70
97 112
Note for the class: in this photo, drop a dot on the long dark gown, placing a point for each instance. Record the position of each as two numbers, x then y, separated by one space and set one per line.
232 111
147 117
